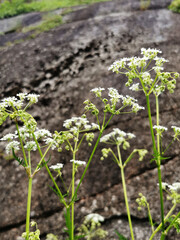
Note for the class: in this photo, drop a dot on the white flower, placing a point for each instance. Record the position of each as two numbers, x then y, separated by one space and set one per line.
95 126
33 98
12 145
77 121
174 187
24 133
160 128
31 145
10 101
146 77
118 65
160 61
78 162
150 53
176 131
58 166
128 101
94 217
40 133
8 137
97 91
22 96
135 87
50 141
158 69
136 107
114 95
117 137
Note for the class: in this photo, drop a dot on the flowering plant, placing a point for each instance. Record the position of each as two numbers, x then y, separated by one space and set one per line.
143 76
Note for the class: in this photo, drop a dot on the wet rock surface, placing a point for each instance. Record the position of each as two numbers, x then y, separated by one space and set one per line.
63 65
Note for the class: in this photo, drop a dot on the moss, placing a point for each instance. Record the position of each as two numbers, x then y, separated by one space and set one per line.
49 22
175 6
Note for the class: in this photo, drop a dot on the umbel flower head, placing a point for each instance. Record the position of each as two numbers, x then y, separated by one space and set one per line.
142 77
114 104
27 139
15 107
173 191
118 137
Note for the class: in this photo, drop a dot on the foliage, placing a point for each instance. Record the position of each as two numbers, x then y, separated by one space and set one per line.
16 7
50 21
121 237
175 6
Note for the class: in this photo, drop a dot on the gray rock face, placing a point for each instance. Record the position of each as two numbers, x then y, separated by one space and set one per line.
62 66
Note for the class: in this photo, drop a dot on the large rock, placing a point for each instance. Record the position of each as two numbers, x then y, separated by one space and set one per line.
62 66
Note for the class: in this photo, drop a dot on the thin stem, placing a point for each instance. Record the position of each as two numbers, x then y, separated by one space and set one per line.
87 165
150 217
160 225
53 180
171 224
72 187
150 123
125 192
28 207
168 146
21 142
158 162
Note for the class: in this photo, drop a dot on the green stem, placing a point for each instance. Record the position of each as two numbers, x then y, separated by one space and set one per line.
160 225
171 224
53 180
150 123
150 217
72 205
87 165
28 208
21 142
158 161
125 192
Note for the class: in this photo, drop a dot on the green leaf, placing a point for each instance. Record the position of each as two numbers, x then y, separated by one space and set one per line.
3 116
121 237
44 163
20 161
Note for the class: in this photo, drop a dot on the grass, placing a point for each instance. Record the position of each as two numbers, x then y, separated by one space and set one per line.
49 22
16 7
175 6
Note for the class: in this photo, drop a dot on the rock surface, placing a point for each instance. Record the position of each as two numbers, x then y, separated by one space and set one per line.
62 66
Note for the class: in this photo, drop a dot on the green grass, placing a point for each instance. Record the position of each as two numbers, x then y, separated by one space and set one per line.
175 6
50 21
16 7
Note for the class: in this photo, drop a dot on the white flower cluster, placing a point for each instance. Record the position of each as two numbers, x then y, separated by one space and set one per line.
17 102
176 131
118 137
78 162
150 53
159 129
175 187
30 146
57 167
119 64
41 133
139 68
97 91
94 217
79 123
135 87
27 138
114 95
12 145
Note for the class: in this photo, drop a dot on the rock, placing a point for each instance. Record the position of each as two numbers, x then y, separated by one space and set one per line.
63 65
